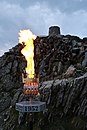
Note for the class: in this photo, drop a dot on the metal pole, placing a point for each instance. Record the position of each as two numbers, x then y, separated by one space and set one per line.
30 121
31 125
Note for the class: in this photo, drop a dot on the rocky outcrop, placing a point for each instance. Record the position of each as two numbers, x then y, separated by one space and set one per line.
69 94
11 67
12 64
61 63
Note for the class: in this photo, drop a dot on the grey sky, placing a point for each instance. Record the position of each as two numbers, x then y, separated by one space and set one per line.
38 15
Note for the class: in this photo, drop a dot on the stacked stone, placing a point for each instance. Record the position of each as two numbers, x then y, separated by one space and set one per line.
12 64
56 57
56 53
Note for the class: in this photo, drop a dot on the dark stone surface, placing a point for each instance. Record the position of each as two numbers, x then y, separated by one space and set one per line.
69 94
54 30
84 62
59 62
5 101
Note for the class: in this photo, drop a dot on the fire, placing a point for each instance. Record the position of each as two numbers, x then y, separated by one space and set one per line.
26 37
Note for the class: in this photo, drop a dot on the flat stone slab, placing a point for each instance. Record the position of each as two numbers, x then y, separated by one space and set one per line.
30 106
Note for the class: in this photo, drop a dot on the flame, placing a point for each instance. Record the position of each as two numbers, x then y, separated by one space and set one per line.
26 37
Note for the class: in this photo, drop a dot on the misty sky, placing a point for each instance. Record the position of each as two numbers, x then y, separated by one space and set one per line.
38 15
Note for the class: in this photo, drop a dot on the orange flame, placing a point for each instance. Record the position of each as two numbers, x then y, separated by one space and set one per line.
26 37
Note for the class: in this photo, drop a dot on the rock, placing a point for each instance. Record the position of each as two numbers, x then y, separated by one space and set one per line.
60 61
6 69
8 82
85 39
21 97
15 66
6 117
84 62
70 71
65 95
2 61
5 101
75 50
74 43
16 97
60 68
21 118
